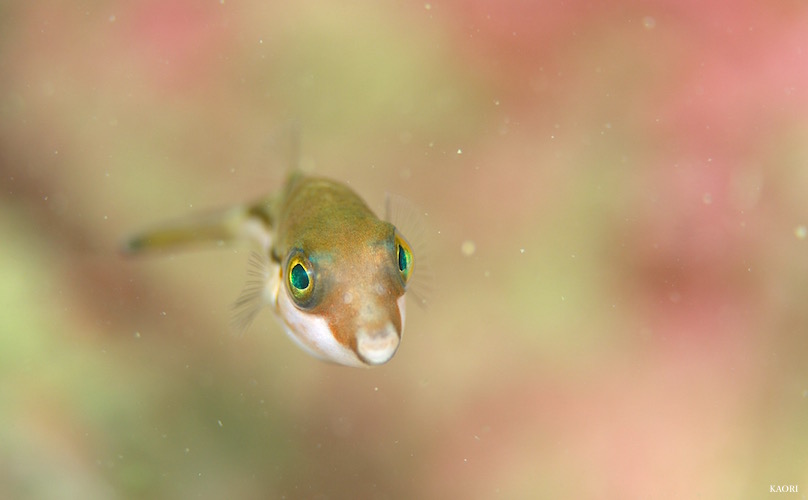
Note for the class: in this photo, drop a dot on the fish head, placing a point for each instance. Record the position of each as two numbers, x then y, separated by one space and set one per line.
342 293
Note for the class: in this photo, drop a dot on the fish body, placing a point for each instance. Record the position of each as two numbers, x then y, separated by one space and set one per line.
334 273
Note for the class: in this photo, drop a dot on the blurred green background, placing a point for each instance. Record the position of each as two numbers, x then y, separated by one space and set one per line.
617 200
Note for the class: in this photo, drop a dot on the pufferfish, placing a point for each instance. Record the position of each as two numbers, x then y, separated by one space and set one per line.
334 274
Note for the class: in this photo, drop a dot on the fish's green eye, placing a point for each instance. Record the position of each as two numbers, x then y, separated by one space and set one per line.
403 257
299 278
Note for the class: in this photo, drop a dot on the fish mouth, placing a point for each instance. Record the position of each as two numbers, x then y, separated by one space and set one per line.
377 347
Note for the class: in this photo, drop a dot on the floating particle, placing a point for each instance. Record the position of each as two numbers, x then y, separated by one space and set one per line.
468 248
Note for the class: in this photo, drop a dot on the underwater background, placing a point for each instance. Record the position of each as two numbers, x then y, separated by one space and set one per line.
612 197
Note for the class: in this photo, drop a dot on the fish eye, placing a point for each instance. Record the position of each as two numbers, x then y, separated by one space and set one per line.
300 278
403 257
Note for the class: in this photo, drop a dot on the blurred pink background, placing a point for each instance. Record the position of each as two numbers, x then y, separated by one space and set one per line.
617 200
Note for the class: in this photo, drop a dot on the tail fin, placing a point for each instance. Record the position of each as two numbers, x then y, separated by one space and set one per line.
224 226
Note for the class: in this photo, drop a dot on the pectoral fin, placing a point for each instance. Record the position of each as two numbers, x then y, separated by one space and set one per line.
260 290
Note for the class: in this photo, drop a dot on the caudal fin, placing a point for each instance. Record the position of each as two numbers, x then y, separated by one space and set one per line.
219 228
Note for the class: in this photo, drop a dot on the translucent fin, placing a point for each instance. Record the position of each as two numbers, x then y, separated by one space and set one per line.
260 290
284 144
412 224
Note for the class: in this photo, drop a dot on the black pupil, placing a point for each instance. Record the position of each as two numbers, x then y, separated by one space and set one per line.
300 278
402 258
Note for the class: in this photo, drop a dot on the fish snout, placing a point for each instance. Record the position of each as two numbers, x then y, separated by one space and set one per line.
377 347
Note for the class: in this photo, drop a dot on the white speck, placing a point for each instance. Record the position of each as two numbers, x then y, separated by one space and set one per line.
468 248
648 22
801 232
347 298
521 250
137 335
496 102
220 423
459 151
260 40
707 198
376 389
428 6
106 218
112 18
